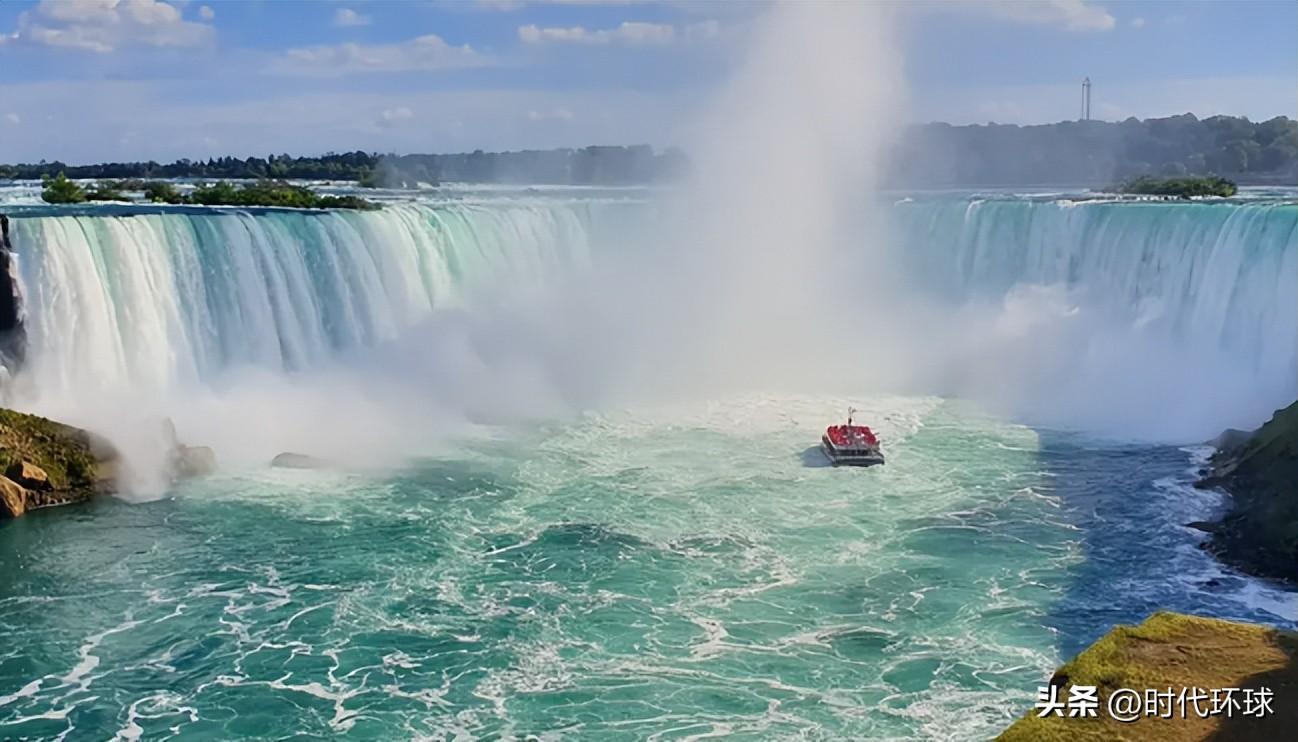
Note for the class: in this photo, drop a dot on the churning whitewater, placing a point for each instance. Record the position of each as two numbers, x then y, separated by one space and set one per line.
620 571
1103 298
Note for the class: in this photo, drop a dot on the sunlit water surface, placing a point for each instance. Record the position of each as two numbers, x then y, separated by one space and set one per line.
665 573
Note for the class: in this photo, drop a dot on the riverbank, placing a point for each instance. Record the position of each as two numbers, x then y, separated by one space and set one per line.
1172 650
1259 533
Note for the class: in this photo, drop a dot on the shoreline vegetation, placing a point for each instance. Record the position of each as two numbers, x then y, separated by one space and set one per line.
269 193
46 463
934 155
1177 651
595 165
1179 187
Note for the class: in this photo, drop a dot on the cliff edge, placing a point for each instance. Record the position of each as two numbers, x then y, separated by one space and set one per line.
1259 533
1176 651
46 463
13 336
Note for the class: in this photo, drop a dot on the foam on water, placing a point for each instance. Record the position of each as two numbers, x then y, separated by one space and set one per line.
673 571
684 570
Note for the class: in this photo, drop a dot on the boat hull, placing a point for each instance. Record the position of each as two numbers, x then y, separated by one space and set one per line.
850 456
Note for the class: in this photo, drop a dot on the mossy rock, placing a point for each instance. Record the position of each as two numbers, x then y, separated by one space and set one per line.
1259 534
70 457
1171 650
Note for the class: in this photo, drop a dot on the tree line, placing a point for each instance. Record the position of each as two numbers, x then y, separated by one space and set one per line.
601 165
931 155
1098 152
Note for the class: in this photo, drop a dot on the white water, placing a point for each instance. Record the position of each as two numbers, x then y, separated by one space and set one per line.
164 300
1152 320
354 333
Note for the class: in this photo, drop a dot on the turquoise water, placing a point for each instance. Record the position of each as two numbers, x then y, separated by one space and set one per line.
668 573
617 576
633 571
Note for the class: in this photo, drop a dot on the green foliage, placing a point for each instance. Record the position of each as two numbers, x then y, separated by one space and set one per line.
272 193
332 166
106 190
160 191
1167 650
1180 187
1094 152
62 451
603 165
60 190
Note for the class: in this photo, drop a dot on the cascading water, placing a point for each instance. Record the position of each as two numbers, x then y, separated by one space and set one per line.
173 299
163 299
1163 321
650 569
1225 274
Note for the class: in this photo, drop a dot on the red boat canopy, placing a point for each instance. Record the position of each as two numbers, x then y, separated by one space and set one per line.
847 436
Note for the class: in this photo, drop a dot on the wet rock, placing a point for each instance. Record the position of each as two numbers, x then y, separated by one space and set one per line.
1259 532
13 498
58 463
13 333
1230 438
188 462
29 475
289 460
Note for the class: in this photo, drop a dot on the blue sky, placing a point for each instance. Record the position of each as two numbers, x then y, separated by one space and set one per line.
91 80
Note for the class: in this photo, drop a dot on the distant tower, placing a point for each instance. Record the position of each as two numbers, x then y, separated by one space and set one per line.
1086 99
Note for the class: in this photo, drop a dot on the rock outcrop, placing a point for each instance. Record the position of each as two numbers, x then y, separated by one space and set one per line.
13 336
1171 650
1259 533
289 460
186 462
13 498
47 463
28 475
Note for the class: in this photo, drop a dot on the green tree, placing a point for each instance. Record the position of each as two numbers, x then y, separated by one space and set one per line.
106 190
60 190
160 191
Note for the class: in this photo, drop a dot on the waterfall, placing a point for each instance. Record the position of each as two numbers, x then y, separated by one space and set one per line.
1219 276
1195 302
158 299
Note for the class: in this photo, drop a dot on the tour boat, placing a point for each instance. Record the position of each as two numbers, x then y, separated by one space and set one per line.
851 445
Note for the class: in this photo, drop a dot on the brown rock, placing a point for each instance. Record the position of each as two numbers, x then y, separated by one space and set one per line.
13 498
193 461
29 475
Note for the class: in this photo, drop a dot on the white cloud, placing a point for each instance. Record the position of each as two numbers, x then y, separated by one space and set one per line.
1073 15
1137 22
554 114
428 52
104 25
509 5
156 120
631 33
703 31
1259 98
13 118
206 13
346 17
394 116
